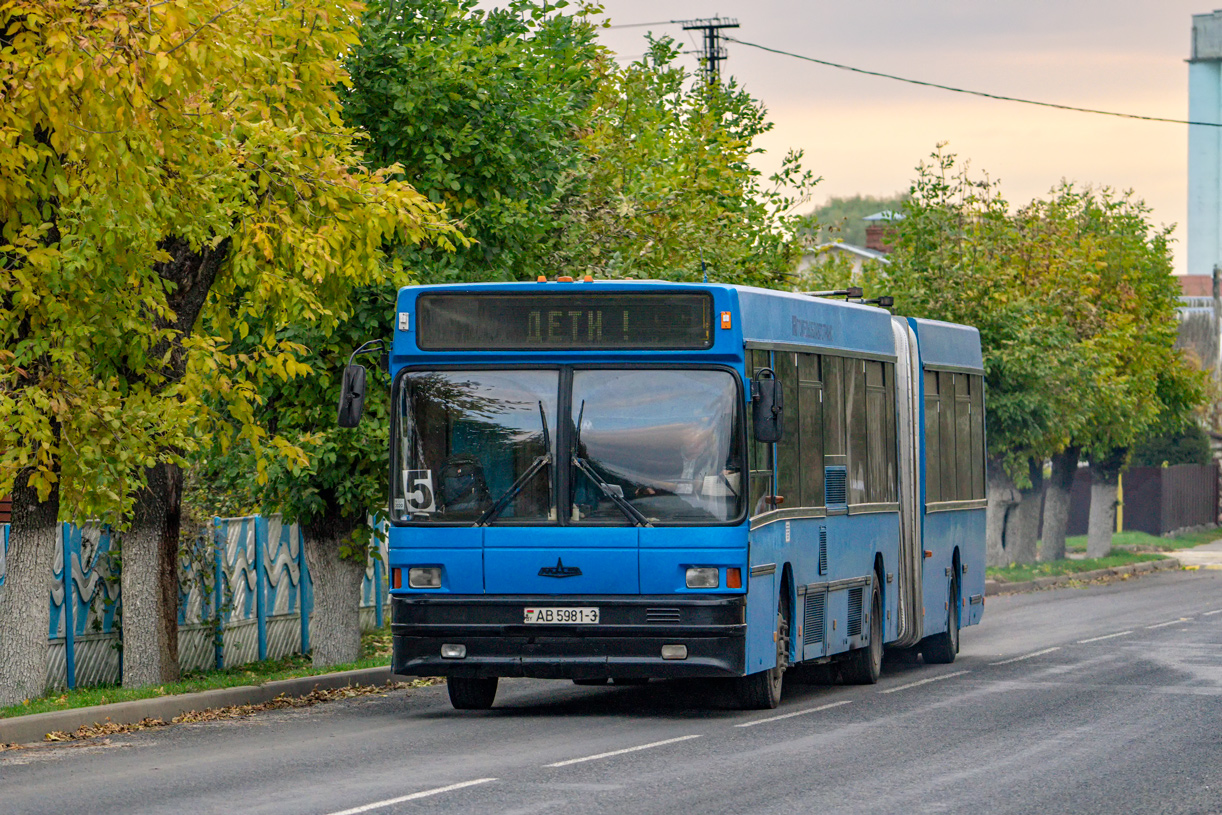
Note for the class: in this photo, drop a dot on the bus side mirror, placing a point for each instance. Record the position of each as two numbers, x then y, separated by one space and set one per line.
768 413
352 396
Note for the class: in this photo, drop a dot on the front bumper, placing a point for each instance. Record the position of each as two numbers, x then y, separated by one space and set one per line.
626 642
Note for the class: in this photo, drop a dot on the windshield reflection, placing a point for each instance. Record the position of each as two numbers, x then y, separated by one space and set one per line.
641 447
466 439
666 441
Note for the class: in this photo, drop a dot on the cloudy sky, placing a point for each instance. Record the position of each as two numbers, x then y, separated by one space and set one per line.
865 134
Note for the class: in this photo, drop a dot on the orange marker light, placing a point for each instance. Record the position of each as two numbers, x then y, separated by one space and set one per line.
725 320
396 579
564 279
541 278
734 578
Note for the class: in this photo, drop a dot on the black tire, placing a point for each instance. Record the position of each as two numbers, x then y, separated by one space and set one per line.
602 680
864 665
762 690
940 649
471 694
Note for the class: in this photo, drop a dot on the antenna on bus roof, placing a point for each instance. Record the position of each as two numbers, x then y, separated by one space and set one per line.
850 292
704 266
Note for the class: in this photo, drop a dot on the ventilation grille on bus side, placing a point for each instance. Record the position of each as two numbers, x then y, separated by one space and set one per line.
854 627
835 481
661 615
812 625
823 550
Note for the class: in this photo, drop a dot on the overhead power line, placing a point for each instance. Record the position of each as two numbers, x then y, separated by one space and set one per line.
645 25
965 90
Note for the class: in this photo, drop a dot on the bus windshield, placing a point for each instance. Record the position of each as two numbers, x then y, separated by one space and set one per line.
665 442
641 447
475 446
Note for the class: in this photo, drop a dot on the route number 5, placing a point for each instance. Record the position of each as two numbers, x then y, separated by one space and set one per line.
418 488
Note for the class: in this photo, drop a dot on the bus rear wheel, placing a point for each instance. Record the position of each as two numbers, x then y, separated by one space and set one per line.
762 690
940 649
865 664
467 693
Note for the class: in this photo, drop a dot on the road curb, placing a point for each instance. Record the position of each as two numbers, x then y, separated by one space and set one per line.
25 729
994 587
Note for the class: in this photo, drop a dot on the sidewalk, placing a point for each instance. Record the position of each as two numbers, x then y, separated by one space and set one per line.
1205 556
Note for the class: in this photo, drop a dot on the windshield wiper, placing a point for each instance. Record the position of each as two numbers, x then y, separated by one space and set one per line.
616 494
507 497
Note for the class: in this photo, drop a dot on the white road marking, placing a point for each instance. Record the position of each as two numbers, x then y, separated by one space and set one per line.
619 752
1211 613
795 713
412 797
925 681
1026 656
1104 637
1169 622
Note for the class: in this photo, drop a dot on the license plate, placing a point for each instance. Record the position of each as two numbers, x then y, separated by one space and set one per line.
561 616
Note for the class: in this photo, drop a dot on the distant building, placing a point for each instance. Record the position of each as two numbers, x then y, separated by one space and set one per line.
876 248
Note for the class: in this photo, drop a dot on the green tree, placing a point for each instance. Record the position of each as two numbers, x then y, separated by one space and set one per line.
1074 301
165 167
960 256
340 482
482 111
670 190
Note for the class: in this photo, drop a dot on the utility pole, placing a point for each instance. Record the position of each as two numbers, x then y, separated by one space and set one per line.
714 51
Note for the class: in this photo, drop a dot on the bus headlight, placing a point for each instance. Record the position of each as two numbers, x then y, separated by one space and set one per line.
703 577
424 577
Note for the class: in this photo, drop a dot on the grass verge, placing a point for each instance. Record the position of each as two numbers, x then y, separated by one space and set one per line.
375 652
1029 571
1141 542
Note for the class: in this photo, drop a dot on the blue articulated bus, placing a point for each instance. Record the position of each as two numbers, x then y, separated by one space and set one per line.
633 480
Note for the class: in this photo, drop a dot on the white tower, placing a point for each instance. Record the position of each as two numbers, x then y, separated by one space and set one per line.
1205 145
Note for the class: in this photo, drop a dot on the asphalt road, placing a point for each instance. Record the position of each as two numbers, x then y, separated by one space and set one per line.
1106 699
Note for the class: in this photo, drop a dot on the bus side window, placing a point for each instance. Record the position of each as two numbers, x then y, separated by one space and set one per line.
933 447
810 422
788 459
977 388
759 455
877 466
946 422
855 404
963 438
833 411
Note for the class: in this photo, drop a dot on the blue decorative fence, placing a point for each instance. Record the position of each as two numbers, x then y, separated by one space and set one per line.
242 594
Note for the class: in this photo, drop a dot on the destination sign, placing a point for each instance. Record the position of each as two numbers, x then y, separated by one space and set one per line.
570 320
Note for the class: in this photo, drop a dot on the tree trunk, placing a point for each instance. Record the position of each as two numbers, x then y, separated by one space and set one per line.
25 608
1002 497
150 548
335 626
1023 522
1104 486
150 581
1056 503
1103 489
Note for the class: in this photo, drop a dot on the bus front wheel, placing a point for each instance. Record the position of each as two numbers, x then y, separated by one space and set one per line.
762 690
467 693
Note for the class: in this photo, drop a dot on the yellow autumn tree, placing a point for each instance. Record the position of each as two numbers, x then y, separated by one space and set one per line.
163 167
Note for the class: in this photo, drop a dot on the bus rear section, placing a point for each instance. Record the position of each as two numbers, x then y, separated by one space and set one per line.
572 511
